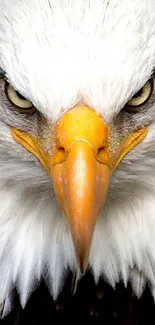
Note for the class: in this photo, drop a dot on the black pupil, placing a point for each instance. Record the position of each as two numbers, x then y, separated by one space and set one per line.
138 94
20 96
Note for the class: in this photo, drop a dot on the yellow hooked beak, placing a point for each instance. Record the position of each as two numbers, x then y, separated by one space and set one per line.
80 162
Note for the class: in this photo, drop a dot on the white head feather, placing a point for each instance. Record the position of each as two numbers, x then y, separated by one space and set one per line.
58 53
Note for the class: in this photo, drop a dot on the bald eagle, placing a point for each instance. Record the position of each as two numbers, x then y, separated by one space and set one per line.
77 143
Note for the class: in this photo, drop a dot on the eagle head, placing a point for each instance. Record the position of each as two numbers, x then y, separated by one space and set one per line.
77 135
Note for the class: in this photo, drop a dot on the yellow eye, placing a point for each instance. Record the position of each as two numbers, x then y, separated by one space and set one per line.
140 98
17 100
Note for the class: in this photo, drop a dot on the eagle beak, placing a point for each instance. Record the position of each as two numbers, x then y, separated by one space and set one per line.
80 179
80 166
81 184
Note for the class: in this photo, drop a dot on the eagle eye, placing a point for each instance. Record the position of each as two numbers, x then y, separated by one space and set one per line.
17 100
140 98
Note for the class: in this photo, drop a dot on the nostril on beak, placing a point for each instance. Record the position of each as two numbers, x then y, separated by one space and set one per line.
59 155
103 155
100 152
61 150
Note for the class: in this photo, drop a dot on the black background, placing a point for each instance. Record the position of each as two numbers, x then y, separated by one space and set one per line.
90 304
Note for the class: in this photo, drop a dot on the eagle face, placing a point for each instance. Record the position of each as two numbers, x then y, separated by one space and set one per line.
77 157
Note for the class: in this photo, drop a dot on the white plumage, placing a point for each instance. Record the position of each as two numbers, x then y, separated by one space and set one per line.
57 54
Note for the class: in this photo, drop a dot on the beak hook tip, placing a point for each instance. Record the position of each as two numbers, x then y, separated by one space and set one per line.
83 264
